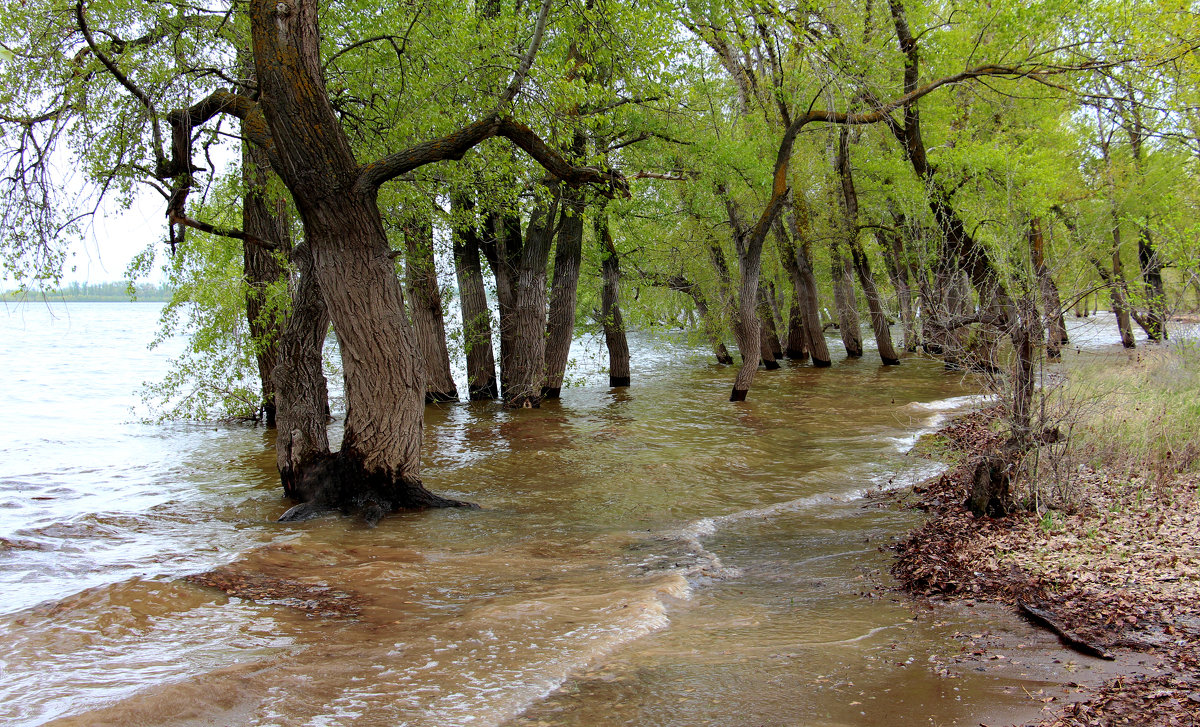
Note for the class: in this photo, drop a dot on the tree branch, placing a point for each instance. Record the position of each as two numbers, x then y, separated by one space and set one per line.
130 86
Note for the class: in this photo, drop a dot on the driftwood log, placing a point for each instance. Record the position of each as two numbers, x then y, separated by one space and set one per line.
1048 620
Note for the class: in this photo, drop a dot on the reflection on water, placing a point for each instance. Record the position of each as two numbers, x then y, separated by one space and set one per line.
644 556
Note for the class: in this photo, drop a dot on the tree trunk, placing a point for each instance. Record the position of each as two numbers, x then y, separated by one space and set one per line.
301 394
476 317
772 349
567 256
378 467
425 311
797 349
893 250
1156 294
777 329
879 322
528 376
862 266
961 246
502 248
610 306
1056 329
844 301
798 262
263 219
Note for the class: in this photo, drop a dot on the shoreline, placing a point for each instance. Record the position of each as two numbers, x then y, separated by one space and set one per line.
1120 574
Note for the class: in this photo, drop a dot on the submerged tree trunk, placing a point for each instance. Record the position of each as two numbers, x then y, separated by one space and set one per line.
845 302
264 217
301 438
476 317
794 251
893 251
524 388
502 248
425 311
567 257
777 330
378 467
772 350
797 349
610 306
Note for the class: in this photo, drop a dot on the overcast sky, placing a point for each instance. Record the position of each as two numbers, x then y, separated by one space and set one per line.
113 239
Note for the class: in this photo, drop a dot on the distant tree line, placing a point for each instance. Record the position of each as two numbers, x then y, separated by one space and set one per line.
94 293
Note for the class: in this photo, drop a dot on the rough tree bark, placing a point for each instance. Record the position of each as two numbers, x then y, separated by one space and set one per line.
263 218
528 376
502 244
301 438
568 254
477 323
797 348
425 310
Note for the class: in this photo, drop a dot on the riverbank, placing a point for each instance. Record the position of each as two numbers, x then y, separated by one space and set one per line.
1109 549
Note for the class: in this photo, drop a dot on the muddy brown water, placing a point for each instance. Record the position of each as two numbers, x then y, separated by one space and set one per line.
648 556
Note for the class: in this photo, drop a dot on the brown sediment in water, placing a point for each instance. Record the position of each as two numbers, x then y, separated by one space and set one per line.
1122 573
314 599
256 583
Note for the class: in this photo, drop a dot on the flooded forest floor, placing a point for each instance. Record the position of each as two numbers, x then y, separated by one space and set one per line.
1117 572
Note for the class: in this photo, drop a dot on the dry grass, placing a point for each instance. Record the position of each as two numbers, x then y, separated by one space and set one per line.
1133 417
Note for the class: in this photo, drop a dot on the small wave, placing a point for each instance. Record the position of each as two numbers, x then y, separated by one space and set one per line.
952 403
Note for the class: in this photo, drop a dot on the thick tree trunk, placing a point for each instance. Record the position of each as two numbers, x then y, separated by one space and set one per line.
301 393
879 321
610 306
568 254
378 467
476 317
263 218
425 311
524 389
749 340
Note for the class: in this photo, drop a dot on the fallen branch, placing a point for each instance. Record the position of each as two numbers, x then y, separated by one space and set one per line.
1049 621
